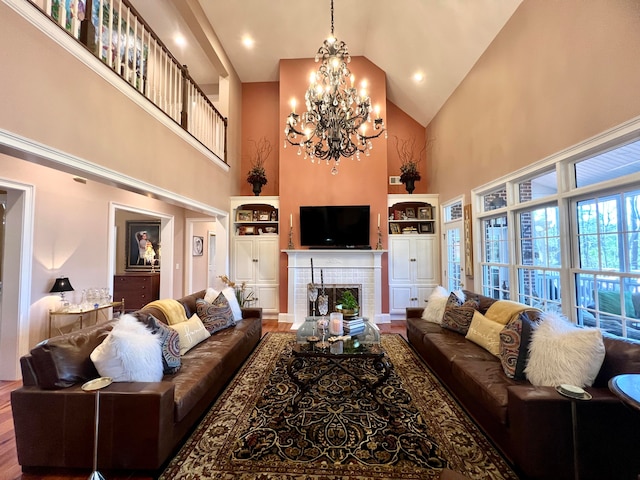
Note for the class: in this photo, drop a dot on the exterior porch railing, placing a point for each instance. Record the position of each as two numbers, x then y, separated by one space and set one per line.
116 34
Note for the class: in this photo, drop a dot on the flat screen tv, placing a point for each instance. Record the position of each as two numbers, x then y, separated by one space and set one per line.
334 226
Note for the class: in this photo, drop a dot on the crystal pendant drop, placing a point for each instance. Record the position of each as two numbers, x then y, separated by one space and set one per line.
299 151
334 170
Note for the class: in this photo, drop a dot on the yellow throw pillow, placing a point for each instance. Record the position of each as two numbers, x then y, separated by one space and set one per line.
191 333
485 333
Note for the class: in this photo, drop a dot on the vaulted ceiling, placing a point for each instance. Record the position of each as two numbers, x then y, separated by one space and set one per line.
439 39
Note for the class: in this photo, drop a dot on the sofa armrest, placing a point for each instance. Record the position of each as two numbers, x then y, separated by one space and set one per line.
414 312
252 312
54 428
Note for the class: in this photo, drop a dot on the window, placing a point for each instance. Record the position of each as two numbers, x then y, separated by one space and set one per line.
494 200
539 258
608 270
612 164
538 187
495 248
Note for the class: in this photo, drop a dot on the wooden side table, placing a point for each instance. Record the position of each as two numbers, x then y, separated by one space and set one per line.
81 314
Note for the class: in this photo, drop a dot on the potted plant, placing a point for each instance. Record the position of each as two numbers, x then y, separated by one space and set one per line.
409 173
348 304
257 176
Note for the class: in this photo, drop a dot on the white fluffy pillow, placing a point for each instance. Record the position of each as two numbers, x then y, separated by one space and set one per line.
230 294
130 353
191 333
210 295
560 352
435 305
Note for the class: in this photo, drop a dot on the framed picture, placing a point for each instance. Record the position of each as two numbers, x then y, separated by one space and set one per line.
244 216
198 246
141 234
468 242
424 213
395 228
264 216
249 230
426 228
410 212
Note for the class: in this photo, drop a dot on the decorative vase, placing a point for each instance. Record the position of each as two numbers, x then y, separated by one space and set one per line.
257 188
410 185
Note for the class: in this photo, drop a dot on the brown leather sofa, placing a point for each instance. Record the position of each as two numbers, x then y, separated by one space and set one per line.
532 426
141 423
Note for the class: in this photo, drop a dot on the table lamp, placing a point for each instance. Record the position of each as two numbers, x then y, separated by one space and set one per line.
60 286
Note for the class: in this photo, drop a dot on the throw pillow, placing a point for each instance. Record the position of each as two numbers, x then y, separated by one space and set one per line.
215 316
610 302
211 294
191 333
230 293
485 333
561 352
168 338
130 353
514 346
434 310
458 315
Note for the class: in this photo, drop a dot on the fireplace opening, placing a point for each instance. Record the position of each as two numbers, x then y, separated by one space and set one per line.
335 292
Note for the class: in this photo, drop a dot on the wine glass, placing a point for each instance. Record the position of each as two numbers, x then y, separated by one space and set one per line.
323 323
312 293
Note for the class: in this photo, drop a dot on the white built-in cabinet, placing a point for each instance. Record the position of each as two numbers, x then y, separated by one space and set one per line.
255 249
414 251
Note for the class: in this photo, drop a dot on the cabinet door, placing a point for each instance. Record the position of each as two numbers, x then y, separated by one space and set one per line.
401 259
400 298
243 260
426 259
267 260
422 296
267 297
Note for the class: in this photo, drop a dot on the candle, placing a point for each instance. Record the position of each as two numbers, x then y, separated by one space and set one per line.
291 220
378 220
312 271
321 282
335 324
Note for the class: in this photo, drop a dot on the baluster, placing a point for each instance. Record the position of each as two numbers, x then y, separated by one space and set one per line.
87 29
119 44
184 114
99 27
62 14
48 8
73 10
134 47
127 40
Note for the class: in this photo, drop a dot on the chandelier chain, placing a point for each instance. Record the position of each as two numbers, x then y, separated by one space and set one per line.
332 18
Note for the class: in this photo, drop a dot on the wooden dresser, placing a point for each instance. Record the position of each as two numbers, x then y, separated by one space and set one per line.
137 289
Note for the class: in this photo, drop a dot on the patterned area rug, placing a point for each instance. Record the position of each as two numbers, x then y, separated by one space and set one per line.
337 429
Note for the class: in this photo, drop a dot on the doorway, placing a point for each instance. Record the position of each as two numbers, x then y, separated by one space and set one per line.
452 258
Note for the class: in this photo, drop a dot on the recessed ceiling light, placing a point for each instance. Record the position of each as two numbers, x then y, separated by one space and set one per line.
247 41
180 40
418 77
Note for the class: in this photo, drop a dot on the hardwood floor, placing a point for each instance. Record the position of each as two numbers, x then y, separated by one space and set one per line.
9 467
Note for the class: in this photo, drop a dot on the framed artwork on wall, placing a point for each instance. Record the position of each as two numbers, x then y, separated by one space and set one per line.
142 245
468 242
198 246
244 216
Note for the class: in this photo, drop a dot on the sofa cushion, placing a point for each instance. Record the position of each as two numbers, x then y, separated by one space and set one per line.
514 346
436 303
63 361
484 302
622 355
230 293
561 353
486 383
485 333
191 332
215 316
458 314
130 353
168 338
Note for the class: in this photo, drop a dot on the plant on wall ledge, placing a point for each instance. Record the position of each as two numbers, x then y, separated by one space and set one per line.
409 174
257 176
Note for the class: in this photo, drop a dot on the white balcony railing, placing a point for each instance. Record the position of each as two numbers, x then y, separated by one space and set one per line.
115 33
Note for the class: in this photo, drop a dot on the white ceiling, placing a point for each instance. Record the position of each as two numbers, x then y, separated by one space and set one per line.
442 39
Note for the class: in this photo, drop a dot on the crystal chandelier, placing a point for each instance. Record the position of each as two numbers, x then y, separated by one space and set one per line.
335 123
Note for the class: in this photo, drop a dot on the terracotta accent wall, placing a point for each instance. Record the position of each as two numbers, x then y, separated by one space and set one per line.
403 127
259 119
557 74
361 182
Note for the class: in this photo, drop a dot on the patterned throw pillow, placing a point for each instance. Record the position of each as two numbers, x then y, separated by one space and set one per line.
514 346
458 314
217 315
168 338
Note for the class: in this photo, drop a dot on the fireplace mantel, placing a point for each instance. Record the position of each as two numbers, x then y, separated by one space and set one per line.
361 267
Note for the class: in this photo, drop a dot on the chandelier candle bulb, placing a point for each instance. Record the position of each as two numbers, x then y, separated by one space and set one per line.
378 220
312 271
290 220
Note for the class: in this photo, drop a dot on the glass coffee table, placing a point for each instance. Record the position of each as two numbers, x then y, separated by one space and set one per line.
366 363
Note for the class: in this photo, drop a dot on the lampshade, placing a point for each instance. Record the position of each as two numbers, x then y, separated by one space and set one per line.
61 285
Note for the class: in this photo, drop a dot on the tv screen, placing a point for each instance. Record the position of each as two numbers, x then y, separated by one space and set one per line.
334 226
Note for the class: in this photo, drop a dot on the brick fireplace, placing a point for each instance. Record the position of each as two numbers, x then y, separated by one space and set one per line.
359 268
